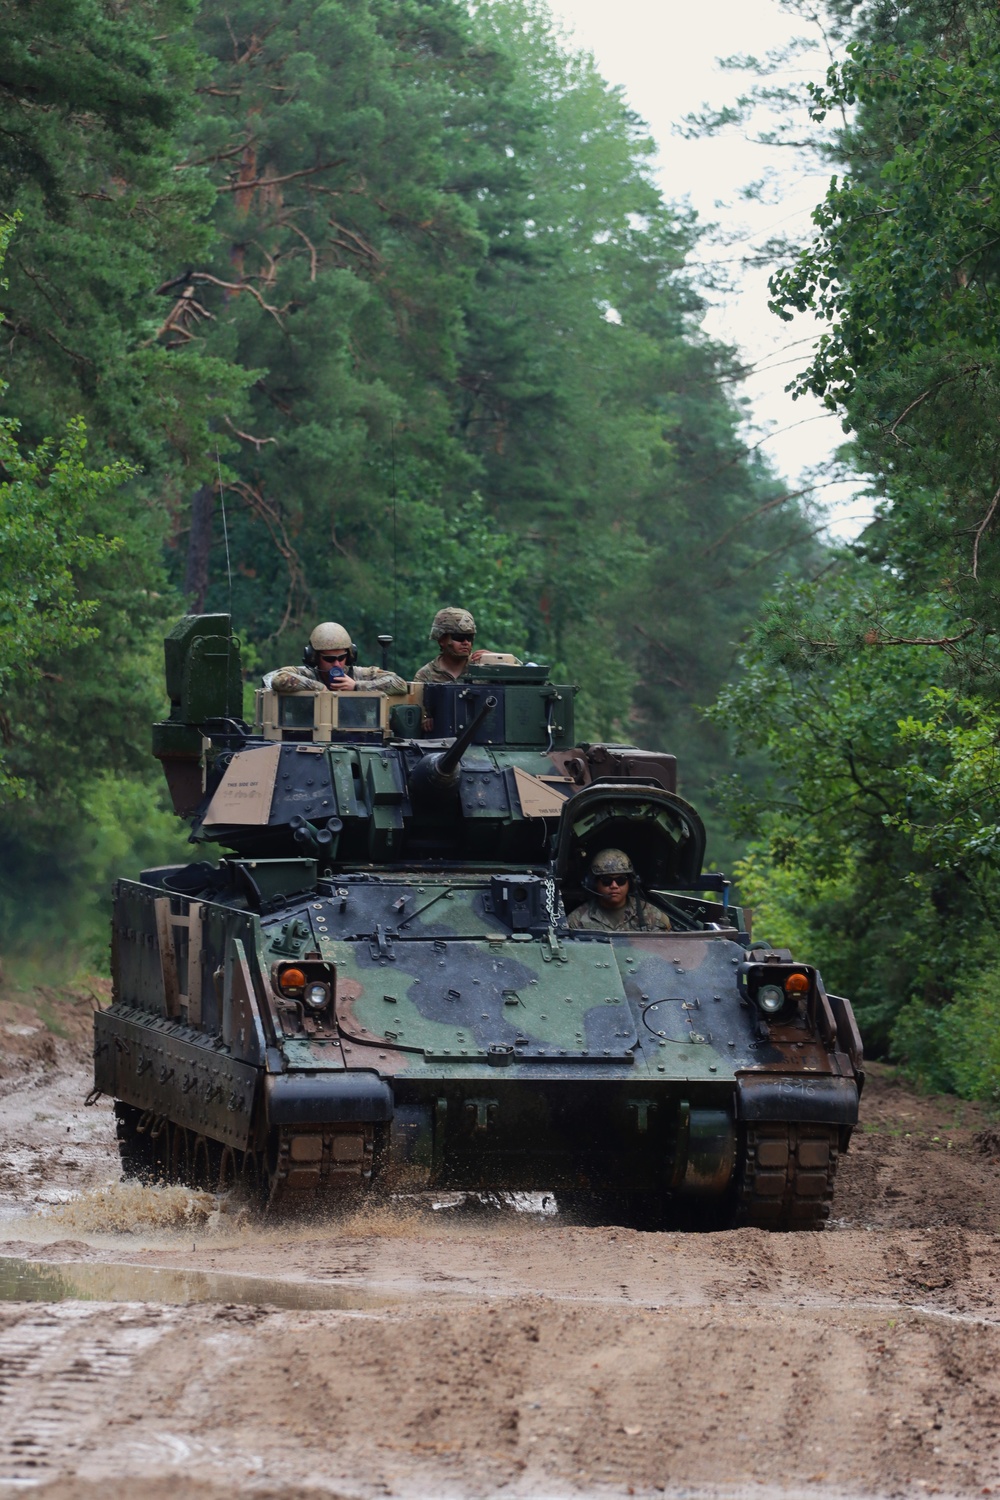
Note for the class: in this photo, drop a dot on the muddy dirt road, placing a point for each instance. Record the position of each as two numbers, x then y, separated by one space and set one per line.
439 1351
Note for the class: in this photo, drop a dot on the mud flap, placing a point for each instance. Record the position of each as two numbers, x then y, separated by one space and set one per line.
327 1098
820 1099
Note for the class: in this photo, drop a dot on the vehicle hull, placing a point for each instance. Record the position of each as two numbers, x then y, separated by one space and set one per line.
626 1064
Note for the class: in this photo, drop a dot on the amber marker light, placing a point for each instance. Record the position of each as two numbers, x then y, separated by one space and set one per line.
291 981
796 984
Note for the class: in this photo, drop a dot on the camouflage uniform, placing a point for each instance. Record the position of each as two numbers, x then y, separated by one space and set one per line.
308 680
591 916
447 620
436 671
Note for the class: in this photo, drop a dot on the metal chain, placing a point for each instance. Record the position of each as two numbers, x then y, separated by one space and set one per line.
550 900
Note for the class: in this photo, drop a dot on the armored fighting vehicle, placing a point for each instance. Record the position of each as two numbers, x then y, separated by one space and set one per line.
375 985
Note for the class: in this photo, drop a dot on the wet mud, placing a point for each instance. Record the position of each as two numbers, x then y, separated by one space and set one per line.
157 1338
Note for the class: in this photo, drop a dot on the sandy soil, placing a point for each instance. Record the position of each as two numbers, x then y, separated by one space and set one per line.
450 1351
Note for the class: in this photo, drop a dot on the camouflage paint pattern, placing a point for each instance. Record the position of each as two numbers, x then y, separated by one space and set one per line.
444 1023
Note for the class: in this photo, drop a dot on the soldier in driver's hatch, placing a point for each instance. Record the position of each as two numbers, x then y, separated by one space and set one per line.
615 904
329 661
454 630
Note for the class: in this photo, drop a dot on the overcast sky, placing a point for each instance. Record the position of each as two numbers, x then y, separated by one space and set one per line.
664 54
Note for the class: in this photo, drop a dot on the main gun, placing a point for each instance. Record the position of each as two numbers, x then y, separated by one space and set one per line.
437 774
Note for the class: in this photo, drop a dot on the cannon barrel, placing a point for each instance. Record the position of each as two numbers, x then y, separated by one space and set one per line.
439 772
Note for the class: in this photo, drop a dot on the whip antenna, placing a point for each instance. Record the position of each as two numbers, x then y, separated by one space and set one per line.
225 530
229 569
392 446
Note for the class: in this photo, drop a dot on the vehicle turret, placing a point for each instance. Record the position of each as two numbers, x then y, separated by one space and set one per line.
435 776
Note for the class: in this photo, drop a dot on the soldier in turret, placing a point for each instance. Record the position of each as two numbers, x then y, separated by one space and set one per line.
615 904
454 630
330 661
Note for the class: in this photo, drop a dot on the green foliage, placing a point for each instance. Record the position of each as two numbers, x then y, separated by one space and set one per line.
56 878
91 110
951 779
956 1047
44 499
903 268
68 60
338 269
915 222
47 500
869 845
872 692
461 557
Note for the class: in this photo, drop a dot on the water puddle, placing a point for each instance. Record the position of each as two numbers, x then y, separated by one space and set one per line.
41 1281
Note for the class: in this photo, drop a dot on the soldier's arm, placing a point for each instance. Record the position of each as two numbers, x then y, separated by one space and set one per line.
292 680
380 682
655 919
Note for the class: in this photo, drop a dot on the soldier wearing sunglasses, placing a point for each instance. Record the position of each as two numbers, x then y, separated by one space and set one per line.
330 661
454 630
615 904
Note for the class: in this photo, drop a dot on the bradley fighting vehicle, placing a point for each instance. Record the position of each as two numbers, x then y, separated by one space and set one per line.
376 985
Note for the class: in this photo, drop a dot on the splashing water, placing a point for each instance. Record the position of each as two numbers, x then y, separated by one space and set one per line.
134 1208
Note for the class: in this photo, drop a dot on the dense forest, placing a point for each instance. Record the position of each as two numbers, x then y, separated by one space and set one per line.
373 306
872 688
352 308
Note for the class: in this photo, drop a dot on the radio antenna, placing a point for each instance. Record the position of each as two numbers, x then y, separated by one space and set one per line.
229 568
225 529
395 620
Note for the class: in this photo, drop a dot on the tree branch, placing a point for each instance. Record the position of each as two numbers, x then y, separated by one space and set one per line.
745 520
248 437
363 247
979 532
659 646
255 182
297 594
917 640
313 257
869 791
228 286
207 161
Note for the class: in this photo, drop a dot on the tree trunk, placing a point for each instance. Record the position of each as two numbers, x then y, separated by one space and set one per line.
199 548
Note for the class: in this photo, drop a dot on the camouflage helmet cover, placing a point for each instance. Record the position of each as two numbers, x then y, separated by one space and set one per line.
451 619
331 637
611 862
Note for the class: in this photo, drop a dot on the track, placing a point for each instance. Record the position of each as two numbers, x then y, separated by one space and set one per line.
788 1176
786 1181
295 1171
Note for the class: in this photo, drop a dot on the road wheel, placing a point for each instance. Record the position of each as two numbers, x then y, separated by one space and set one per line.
136 1147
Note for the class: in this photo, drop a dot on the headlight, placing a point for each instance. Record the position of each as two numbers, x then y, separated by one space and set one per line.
311 982
317 995
771 998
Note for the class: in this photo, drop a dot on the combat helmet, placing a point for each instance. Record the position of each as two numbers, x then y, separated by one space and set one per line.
329 636
608 862
452 620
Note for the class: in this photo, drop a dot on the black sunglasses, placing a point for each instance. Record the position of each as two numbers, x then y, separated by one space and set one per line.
333 656
456 637
613 879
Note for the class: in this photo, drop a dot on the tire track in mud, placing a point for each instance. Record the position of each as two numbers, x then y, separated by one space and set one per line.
59 1373
513 1355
